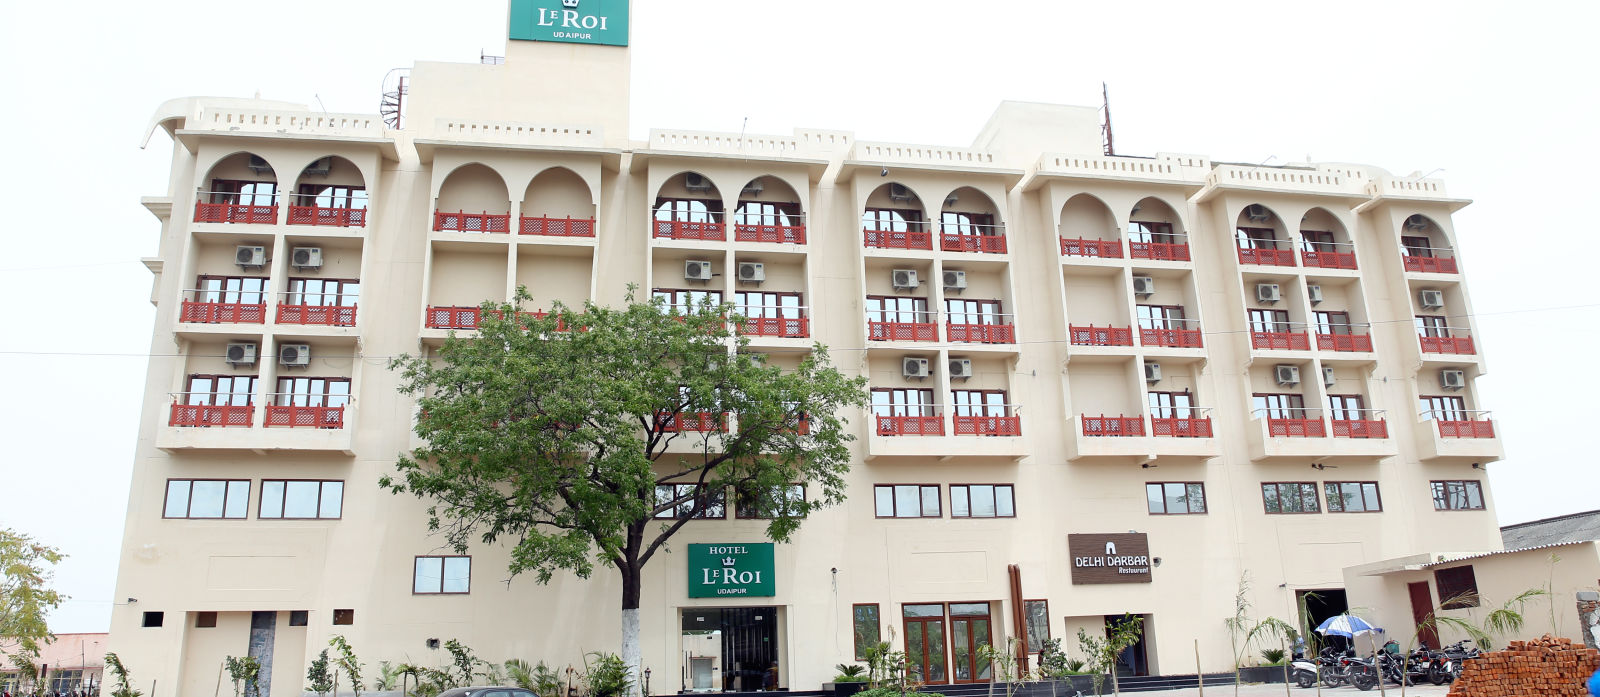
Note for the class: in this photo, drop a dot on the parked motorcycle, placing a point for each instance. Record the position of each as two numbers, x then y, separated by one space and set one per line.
1446 663
1305 671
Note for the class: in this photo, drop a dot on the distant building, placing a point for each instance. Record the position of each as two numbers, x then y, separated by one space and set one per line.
71 662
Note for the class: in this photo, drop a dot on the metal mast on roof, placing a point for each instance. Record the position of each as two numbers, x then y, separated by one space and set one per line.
1105 130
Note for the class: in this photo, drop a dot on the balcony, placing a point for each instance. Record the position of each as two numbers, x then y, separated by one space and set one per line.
1116 426
910 425
327 216
1296 428
1456 341
297 416
1100 336
452 317
1429 261
461 221
1103 249
696 230
1465 429
879 239
256 213
1124 438
1279 341
1159 251
924 436
329 310
981 239
779 327
1181 427
1266 256
1317 259
961 333
1367 423
209 427
969 425
1172 337
209 415
555 227
879 330
1344 342
1298 435
1465 435
692 422
771 234
207 312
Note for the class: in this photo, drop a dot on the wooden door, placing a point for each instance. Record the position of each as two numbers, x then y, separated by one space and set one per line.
1422 614
925 644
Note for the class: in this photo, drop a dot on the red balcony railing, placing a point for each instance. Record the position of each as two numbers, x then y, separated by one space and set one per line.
982 333
1266 257
452 317
1430 264
1101 336
1296 428
910 425
1466 429
988 425
690 230
1344 342
327 216
556 227
305 417
693 422
1159 251
879 239
208 415
776 234
1195 427
222 313
785 327
902 331
1281 341
322 315
1447 344
461 221
1172 338
1327 260
972 242
1103 425
1360 428
1109 249
235 213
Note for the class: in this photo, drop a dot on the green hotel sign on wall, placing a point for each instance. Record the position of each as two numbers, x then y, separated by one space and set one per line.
736 570
603 22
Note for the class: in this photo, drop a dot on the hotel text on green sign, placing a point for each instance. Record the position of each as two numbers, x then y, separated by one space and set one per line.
603 22
735 570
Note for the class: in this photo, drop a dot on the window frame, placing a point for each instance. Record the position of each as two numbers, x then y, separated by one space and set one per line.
876 219
1328 491
899 402
921 501
1438 406
235 191
740 507
683 210
714 500
1461 578
1410 248
1165 404
878 308
691 303
231 289
205 619
261 500
345 617
1161 316
1433 326
1315 498
1442 486
288 392
1205 508
1253 236
189 505
212 395
1027 628
1148 232
442 560
338 195
877 628
341 291
1293 405
1326 324
1263 319
967 487
774 304
980 403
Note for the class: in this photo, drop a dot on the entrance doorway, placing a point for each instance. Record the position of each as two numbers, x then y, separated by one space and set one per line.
1320 604
969 631
967 627
733 649
1133 660
925 658
1422 613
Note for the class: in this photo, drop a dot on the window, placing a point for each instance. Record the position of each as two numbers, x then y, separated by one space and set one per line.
902 401
685 499
757 304
205 620
1159 233
961 311
1036 614
1346 407
864 619
688 301
888 308
955 223
312 392
1353 497
1417 246
441 575
330 196
244 193
1171 405
300 500
1458 588
1175 498
221 390
1457 496
152 619
1279 406
689 210
767 213
1433 326
907 500
982 501
1331 322
1291 497
65 681
1444 408
1256 238
978 402
243 290
785 500
1161 317
1269 321
207 498
342 617
320 292
892 220
1314 241
299 618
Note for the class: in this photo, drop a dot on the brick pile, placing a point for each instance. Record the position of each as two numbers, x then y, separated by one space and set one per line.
1545 667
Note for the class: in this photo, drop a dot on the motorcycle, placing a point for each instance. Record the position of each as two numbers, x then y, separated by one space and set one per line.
1305 671
1447 662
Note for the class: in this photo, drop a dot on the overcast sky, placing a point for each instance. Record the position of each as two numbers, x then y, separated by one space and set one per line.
1499 97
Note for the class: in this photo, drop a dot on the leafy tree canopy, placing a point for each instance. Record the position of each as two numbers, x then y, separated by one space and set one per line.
26 569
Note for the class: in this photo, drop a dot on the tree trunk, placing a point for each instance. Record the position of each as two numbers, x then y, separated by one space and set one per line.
631 654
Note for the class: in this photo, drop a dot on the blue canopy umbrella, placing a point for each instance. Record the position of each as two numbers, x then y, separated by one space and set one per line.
1347 626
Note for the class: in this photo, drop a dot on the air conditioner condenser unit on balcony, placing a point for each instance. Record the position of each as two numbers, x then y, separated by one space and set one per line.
1431 299
914 368
955 280
306 258
1416 223
697 270
904 279
899 192
1314 293
960 368
1144 285
1152 372
1328 377
1268 292
250 256
1453 379
294 355
240 353
1287 374
695 182
752 272
1257 213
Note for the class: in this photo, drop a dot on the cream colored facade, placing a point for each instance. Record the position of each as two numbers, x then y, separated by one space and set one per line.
486 140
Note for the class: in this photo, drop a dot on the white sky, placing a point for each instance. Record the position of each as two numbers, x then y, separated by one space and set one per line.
1499 96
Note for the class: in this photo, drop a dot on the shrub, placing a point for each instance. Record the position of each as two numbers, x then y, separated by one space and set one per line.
1273 656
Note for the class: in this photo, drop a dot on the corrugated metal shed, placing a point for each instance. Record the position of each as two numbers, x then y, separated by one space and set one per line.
1577 527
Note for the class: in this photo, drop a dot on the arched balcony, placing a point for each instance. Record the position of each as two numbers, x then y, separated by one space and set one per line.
1088 229
473 199
330 192
240 188
1262 238
769 211
557 203
689 207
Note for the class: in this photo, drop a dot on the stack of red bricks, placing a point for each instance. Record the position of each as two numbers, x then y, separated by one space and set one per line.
1545 667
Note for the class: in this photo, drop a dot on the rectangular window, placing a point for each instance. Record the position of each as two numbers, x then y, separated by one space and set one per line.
1346 407
323 292
205 620
907 500
312 392
1458 588
152 619
982 501
901 401
243 290
1037 615
1279 406
689 210
1314 241
331 196
1433 326
342 617
300 499
1416 246
1256 238
786 501
1171 405
957 223
1457 496
1291 497
892 220
1161 317
1353 497
244 193
221 390
687 301
760 305
1175 498
963 311
1269 321
441 576
864 619
767 213
978 402
1159 233
207 498
684 499
299 618
1329 322
1444 408
882 308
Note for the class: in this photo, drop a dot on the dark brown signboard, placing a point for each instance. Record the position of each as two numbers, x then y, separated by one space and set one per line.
1109 557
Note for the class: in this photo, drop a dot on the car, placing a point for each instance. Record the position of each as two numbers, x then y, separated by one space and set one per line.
487 691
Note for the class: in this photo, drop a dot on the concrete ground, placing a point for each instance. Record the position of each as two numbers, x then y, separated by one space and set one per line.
1226 690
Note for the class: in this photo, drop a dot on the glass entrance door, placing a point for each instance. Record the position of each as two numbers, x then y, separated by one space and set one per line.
730 649
969 631
925 657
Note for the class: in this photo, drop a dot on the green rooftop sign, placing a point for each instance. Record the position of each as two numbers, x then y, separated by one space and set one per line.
733 570
602 22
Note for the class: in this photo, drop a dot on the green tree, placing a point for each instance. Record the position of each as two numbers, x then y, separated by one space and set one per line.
26 569
552 432
319 676
346 661
120 673
244 672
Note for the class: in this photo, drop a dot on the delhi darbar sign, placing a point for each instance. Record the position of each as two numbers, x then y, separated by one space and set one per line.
1110 558
603 22
734 570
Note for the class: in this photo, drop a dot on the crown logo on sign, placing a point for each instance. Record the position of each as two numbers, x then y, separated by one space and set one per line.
569 3
726 561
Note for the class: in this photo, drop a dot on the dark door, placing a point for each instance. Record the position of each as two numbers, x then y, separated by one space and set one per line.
1132 660
969 631
925 658
749 649
1422 614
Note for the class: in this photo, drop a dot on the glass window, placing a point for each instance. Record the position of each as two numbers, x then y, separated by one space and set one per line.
1458 587
902 402
319 292
1279 406
344 616
758 305
892 220
1270 321
688 301
207 498
982 501
1147 232
907 501
301 499
1175 498
1444 408
221 390
685 498
1291 497
1161 317
1037 613
689 210
1256 238
888 308
330 196
767 213
865 622
1458 496
1353 497
782 501
442 575
299 618
965 311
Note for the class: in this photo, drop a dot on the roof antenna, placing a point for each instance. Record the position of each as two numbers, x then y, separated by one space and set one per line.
743 126
1105 130
320 105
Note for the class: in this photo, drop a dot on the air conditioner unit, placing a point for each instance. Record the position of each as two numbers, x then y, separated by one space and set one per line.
1287 374
950 200
294 354
1152 372
1452 379
955 280
1416 223
695 182
753 188
905 279
696 270
1144 285
752 272
1314 293
914 367
898 192
306 257
248 256
960 368
1268 292
240 354
1431 299
1327 377
1257 213
320 168
259 165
